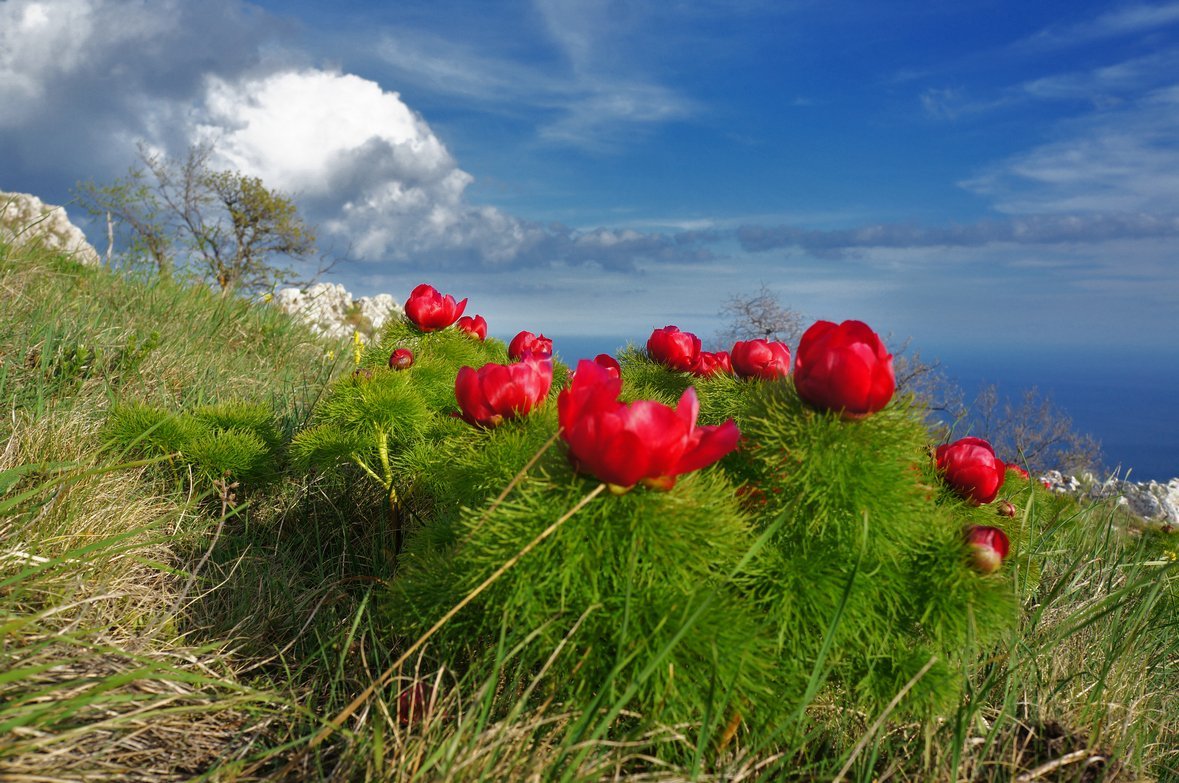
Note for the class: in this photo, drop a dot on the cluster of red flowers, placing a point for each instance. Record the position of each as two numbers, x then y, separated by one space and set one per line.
844 368
840 367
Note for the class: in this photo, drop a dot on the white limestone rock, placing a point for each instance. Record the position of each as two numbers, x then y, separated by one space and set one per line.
379 309
25 220
1169 499
1058 482
331 311
1155 503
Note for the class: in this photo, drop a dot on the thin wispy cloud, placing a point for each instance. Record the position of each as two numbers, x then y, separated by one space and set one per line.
465 70
589 87
1024 230
1101 87
1127 20
1121 160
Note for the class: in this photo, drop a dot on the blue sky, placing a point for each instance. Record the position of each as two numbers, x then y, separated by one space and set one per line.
974 174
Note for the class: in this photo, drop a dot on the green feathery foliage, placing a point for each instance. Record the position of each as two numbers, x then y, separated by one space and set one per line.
872 548
721 397
235 440
621 582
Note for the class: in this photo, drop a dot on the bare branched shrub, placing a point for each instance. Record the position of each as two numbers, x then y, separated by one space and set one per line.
1032 430
927 382
760 315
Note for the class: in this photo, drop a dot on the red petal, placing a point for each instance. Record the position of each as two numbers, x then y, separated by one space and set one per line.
711 443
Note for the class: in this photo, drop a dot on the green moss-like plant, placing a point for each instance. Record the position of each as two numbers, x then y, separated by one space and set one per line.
233 440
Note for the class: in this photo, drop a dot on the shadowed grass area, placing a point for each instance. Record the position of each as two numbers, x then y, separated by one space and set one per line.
159 624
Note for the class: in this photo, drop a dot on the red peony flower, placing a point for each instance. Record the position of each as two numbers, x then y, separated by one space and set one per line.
844 368
678 350
412 704
476 327
708 364
761 359
497 392
610 363
1019 471
644 441
527 342
430 311
401 359
971 469
988 547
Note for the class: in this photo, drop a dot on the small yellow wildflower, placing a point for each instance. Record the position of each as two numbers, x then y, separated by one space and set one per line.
267 297
357 346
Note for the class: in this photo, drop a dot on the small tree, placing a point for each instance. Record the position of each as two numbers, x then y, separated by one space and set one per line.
134 206
223 225
1033 431
759 315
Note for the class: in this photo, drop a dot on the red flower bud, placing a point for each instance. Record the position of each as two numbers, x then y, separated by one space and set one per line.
430 311
1005 508
988 547
476 327
669 346
971 469
412 704
708 364
844 368
401 359
496 392
623 444
527 342
761 359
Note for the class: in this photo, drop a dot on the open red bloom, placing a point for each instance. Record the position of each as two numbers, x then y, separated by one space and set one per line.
708 364
645 441
476 327
761 359
988 547
1019 471
497 392
527 342
971 469
844 368
678 350
430 311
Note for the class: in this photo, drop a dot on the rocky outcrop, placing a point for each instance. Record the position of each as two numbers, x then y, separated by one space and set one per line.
26 220
1152 501
331 311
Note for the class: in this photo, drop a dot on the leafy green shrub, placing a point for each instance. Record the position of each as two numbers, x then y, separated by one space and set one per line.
824 553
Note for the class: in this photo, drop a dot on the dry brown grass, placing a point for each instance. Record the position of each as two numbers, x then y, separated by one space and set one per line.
97 683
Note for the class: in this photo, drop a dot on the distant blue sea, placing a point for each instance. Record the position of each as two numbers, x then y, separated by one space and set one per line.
1128 400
